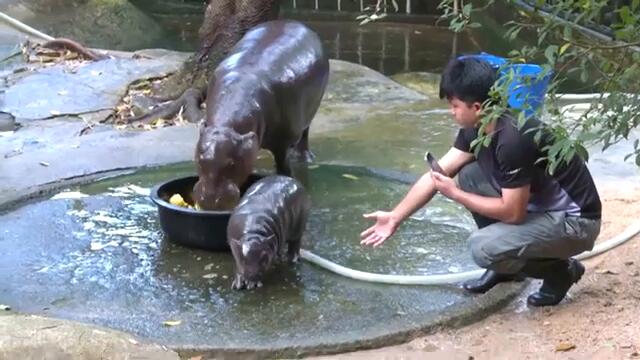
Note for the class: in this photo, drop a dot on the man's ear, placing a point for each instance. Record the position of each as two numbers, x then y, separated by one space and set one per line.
477 106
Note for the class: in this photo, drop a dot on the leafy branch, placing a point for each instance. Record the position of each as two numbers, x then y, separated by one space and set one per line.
612 68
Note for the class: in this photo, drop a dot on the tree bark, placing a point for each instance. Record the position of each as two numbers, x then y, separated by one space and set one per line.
225 22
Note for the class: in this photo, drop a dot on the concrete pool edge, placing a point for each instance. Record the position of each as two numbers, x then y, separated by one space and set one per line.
476 309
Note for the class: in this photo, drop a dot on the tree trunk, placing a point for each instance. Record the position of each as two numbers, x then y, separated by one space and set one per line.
225 22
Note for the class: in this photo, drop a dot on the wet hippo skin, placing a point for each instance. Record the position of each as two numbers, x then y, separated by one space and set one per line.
272 214
263 95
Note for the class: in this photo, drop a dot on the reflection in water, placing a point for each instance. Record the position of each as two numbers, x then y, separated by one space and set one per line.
389 48
358 6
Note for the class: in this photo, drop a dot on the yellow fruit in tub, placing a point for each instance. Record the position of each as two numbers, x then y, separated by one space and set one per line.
177 200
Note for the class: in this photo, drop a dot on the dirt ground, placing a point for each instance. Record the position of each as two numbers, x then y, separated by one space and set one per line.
600 319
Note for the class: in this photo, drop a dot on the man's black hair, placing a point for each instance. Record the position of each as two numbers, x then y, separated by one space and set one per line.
468 79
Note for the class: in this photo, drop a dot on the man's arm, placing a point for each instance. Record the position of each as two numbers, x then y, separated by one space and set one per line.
511 208
424 189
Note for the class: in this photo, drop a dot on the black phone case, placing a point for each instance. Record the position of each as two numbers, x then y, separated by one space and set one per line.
434 164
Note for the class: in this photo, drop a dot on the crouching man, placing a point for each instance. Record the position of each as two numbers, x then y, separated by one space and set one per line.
530 222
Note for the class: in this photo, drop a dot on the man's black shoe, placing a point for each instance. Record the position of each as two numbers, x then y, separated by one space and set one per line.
555 285
488 280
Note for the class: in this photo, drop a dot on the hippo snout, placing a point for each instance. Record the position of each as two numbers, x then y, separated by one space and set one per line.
211 197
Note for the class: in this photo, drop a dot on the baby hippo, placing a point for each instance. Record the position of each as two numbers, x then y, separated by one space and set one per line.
272 213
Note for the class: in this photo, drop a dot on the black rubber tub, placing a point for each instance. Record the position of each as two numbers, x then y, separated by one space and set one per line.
193 228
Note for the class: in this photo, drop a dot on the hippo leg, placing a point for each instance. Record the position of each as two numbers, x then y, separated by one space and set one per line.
250 285
300 151
293 250
240 283
283 167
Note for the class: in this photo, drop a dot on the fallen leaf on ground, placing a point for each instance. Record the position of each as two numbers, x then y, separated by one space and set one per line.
209 276
133 341
199 357
5 307
13 153
349 176
607 272
565 346
172 322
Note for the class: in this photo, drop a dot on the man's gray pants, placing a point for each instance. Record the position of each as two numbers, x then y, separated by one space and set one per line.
505 248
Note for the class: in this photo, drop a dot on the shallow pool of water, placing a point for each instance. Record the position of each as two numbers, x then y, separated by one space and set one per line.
102 258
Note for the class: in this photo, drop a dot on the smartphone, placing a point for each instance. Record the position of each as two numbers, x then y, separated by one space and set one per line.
433 163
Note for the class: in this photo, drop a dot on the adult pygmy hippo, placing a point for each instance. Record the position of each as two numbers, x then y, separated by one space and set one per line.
263 95
272 212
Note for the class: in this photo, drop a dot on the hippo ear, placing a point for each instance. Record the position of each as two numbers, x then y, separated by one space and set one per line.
249 140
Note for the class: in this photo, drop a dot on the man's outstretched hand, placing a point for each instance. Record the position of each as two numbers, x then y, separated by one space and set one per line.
385 226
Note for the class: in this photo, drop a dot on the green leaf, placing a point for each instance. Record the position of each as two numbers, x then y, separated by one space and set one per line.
564 48
537 137
552 166
607 142
466 10
550 53
514 34
555 149
582 152
634 5
349 176
584 76
172 323
625 15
